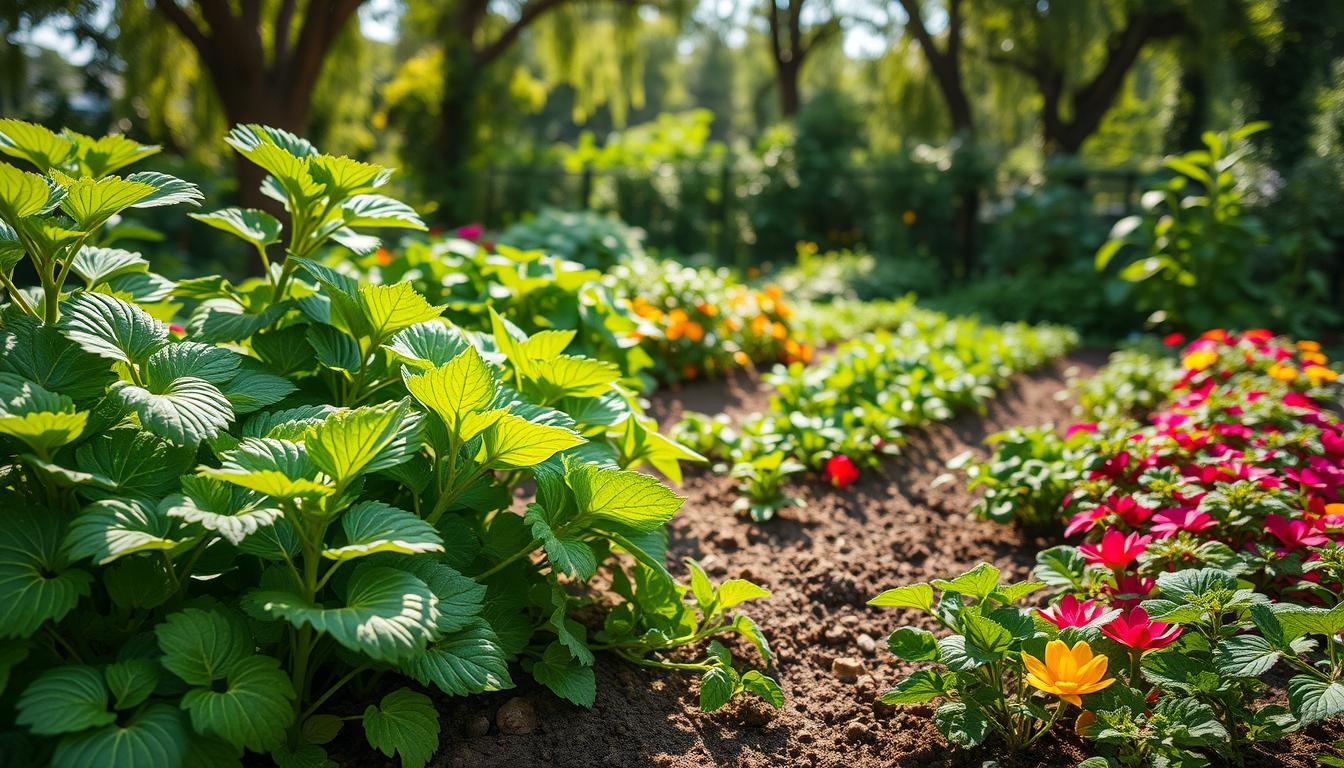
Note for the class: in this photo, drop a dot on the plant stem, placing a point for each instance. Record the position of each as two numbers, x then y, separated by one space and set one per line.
16 296
347 677
510 560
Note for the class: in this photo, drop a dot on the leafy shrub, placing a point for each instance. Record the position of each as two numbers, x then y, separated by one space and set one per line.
212 531
1132 384
589 238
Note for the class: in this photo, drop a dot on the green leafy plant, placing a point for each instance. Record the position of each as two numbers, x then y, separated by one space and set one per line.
1026 480
296 512
762 485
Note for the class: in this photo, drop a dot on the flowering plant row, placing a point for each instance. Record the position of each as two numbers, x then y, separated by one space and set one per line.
219 535
857 404
1212 556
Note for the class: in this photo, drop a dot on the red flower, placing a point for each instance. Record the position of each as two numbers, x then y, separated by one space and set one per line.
840 471
1294 533
1072 612
469 231
1116 550
1171 521
1129 590
177 329
1139 632
1173 339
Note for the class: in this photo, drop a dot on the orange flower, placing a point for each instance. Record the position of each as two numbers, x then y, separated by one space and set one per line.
774 292
695 331
1307 345
1068 673
760 325
1217 334
783 310
707 309
731 324
1199 359
779 331
1283 372
1313 357
741 358
909 218
675 331
1317 374
383 256
677 316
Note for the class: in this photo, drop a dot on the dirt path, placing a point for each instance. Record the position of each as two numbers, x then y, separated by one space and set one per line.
822 563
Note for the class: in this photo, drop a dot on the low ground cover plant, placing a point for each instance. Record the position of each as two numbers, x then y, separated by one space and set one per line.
1211 564
846 411
220 534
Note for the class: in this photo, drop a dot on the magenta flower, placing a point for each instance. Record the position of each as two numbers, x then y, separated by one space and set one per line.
469 231
1089 427
1172 521
1129 510
1116 550
1136 630
1085 520
1294 534
1129 590
1072 612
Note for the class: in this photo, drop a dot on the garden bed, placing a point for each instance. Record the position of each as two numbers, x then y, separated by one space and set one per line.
822 564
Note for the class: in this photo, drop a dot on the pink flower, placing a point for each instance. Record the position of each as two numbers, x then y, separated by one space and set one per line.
1139 632
1170 522
1130 511
177 329
1116 550
469 231
840 471
1129 590
1085 520
1294 533
1074 429
1072 612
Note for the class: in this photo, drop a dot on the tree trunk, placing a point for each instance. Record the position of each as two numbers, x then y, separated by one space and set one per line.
452 180
786 76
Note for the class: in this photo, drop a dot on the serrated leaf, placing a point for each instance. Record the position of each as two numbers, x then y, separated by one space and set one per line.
168 190
913 644
22 194
187 411
256 227
36 582
91 202
111 328
220 320
733 592
387 614
462 663
428 345
43 355
566 676
372 526
456 389
105 154
226 509
344 176
912 596
64 700
717 686
962 724
137 464
1313 699
200 646
98 265
1244 656
37 144
924 685
763 686
978 582
252 390
569 555
631 499
215 365
350 443
270 466
404 723
113 528
572 376
253 710
380 211
513 442
156 736
41 419
131 681
392 308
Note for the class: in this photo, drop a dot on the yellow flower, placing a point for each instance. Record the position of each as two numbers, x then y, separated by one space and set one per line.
1200 359
1309 346
1068 673
1283 372
1313 357
1319 373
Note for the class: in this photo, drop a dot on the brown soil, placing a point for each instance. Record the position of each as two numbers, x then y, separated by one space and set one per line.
822 563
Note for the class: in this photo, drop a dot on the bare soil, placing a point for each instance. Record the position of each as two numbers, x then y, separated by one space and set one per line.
894 526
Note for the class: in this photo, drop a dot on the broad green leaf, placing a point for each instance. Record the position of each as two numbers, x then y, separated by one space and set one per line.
254 708
459 596
11 653
372 526
428 345
131 681
226 509
1299 620
350 443
571 376
113 528
392 308
155 736
222 319
41 419
256 227
462 386
735 591
717 686
513 442
912 596
98 265
566 676
22 194
343 176
756 682
380 211
36 582
633 499
141 287
462 663
1060 567
283 155
34 143
64 700
387 614
962 724
90 202
1313 699
103 155
404 723
748 629
641 442
186 411
215 365
568 554
43 355
334 348
270 466
288 424
321 729
201 646
913 644
111 328
924 685
138 464
978 582
252 390
1244 656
